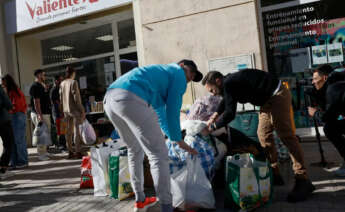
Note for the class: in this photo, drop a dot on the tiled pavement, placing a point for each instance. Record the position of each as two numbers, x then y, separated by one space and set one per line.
54 186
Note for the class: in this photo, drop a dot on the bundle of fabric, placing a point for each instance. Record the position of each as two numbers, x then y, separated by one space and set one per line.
210 150
203 108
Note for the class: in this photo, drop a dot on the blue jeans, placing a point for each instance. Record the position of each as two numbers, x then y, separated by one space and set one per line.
19 154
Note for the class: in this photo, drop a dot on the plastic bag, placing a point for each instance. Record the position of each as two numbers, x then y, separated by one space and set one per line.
100 159
86 180
191 188
178 182
41 135
87 133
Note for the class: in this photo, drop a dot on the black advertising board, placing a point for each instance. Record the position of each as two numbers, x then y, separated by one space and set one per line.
304 35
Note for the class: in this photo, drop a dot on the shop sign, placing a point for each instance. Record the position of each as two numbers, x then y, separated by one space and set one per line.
23 15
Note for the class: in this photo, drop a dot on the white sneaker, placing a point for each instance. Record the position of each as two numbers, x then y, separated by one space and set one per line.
6 175
340 172
49 155
43 158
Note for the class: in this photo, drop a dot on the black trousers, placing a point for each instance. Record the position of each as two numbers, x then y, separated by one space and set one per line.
335 132
6 134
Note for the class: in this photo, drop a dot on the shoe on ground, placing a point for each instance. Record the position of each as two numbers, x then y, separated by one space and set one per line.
301 191
78 155
22 166
340 172
43 158
143 206
278 180
49 155
70 155
4 175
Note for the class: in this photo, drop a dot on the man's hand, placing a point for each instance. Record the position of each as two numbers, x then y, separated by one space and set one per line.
212 119
40 117
312 111
186 147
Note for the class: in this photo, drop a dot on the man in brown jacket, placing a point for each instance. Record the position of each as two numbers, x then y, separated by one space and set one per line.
73 111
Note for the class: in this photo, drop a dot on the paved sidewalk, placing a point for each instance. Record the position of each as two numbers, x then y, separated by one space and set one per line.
54 186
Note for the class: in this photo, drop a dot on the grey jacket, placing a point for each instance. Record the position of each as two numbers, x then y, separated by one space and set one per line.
5 106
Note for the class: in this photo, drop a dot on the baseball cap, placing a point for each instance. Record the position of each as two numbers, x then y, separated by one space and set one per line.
190 63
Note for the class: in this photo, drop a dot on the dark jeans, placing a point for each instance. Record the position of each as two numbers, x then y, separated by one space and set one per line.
19 154
335 132
6 134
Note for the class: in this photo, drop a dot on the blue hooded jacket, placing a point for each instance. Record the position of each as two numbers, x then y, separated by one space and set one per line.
161 86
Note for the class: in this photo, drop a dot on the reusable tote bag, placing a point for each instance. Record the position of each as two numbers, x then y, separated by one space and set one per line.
248 182
119 177
99 160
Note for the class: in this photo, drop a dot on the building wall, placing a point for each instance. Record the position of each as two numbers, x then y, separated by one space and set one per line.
29 59
197 29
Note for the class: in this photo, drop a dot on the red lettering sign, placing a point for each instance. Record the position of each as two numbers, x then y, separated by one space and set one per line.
49 6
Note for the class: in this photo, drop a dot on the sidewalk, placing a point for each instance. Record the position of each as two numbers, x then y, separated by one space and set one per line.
54 186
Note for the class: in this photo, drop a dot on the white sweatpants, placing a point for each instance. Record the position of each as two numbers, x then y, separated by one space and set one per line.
138 127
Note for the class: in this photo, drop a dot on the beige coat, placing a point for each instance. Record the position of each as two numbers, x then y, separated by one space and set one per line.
70 98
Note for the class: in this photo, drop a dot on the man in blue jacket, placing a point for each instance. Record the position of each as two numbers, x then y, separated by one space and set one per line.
140 104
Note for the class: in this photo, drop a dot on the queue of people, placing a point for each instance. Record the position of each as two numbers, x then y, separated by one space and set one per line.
144 106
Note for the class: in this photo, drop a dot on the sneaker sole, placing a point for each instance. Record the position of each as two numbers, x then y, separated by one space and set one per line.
144 209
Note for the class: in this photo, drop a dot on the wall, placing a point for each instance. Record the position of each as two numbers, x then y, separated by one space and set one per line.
29 59
196 29
7 48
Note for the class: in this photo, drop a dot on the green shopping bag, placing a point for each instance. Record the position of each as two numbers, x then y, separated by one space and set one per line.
114 166
249 183
119 177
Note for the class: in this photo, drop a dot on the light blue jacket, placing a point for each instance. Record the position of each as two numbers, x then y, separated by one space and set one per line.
161 86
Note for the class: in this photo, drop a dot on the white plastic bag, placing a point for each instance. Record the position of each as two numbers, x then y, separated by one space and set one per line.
99 160
87 133
178 187
190 187
199 188
41 135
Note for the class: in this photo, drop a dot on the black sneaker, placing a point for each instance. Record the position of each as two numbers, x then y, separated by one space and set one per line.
278 180
300 192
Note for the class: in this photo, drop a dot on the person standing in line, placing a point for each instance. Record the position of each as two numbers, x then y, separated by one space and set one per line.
262 89
56 108
73 110
6 132
40 108
19 155
140 104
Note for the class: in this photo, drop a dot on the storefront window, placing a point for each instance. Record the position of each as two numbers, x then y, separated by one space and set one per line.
127 42
299 37
94 75
77 45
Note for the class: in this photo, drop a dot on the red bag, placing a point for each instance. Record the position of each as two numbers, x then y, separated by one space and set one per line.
86 177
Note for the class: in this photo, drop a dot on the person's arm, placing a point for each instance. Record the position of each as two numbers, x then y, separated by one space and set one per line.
5 101
229 113
77 98
36 94
215 115
332 108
